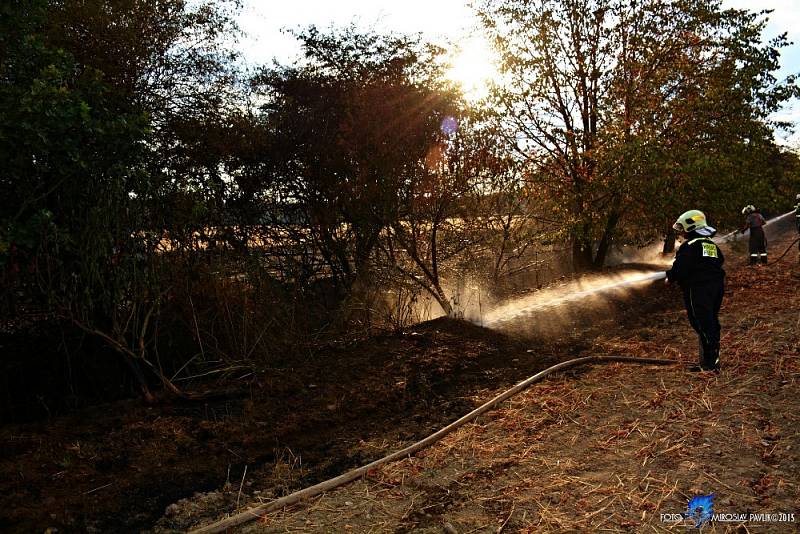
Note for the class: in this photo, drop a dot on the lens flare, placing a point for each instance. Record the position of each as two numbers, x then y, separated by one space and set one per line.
449 125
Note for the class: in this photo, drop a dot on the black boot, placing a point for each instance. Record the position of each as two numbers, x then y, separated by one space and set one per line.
710 359
701 359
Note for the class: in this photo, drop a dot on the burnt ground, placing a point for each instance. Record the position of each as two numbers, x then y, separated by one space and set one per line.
120 467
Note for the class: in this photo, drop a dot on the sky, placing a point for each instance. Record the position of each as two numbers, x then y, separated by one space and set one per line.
447 20
264 19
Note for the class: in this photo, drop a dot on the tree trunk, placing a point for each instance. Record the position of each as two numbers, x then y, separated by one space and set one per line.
140 378
602 251
669 242
442 299
605 242
581 255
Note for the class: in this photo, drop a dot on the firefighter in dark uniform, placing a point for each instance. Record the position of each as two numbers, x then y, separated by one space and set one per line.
797 215
758 241
697 269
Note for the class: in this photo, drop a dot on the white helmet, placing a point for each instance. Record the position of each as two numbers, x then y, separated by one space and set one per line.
690 220
797 197
748 209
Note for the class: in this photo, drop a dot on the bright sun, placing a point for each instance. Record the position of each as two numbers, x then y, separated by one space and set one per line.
472 67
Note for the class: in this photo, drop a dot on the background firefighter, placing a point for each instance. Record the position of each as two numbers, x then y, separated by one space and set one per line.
754 221
797 215
698 270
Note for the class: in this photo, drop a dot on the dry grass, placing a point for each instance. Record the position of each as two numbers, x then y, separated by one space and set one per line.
610 448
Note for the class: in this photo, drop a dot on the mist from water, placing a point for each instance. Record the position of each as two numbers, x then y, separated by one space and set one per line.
570 292
474 303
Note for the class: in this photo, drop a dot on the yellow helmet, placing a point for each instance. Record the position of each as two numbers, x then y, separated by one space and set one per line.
690 220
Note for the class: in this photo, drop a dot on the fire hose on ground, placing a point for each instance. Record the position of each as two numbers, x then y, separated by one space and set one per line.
312 491
785 252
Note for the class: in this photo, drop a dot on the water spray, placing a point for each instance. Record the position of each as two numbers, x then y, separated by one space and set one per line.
733 235
533 303
529 304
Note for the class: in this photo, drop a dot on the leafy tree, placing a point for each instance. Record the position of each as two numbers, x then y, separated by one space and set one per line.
710 141
600 96
351 125
88 92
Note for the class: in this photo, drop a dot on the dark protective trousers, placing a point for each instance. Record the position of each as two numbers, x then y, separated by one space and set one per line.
758 245
702 305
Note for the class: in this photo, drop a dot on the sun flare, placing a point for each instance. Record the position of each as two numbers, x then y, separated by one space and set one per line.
473 67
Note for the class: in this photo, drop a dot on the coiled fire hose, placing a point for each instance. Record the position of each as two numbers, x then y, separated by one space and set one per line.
312 491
